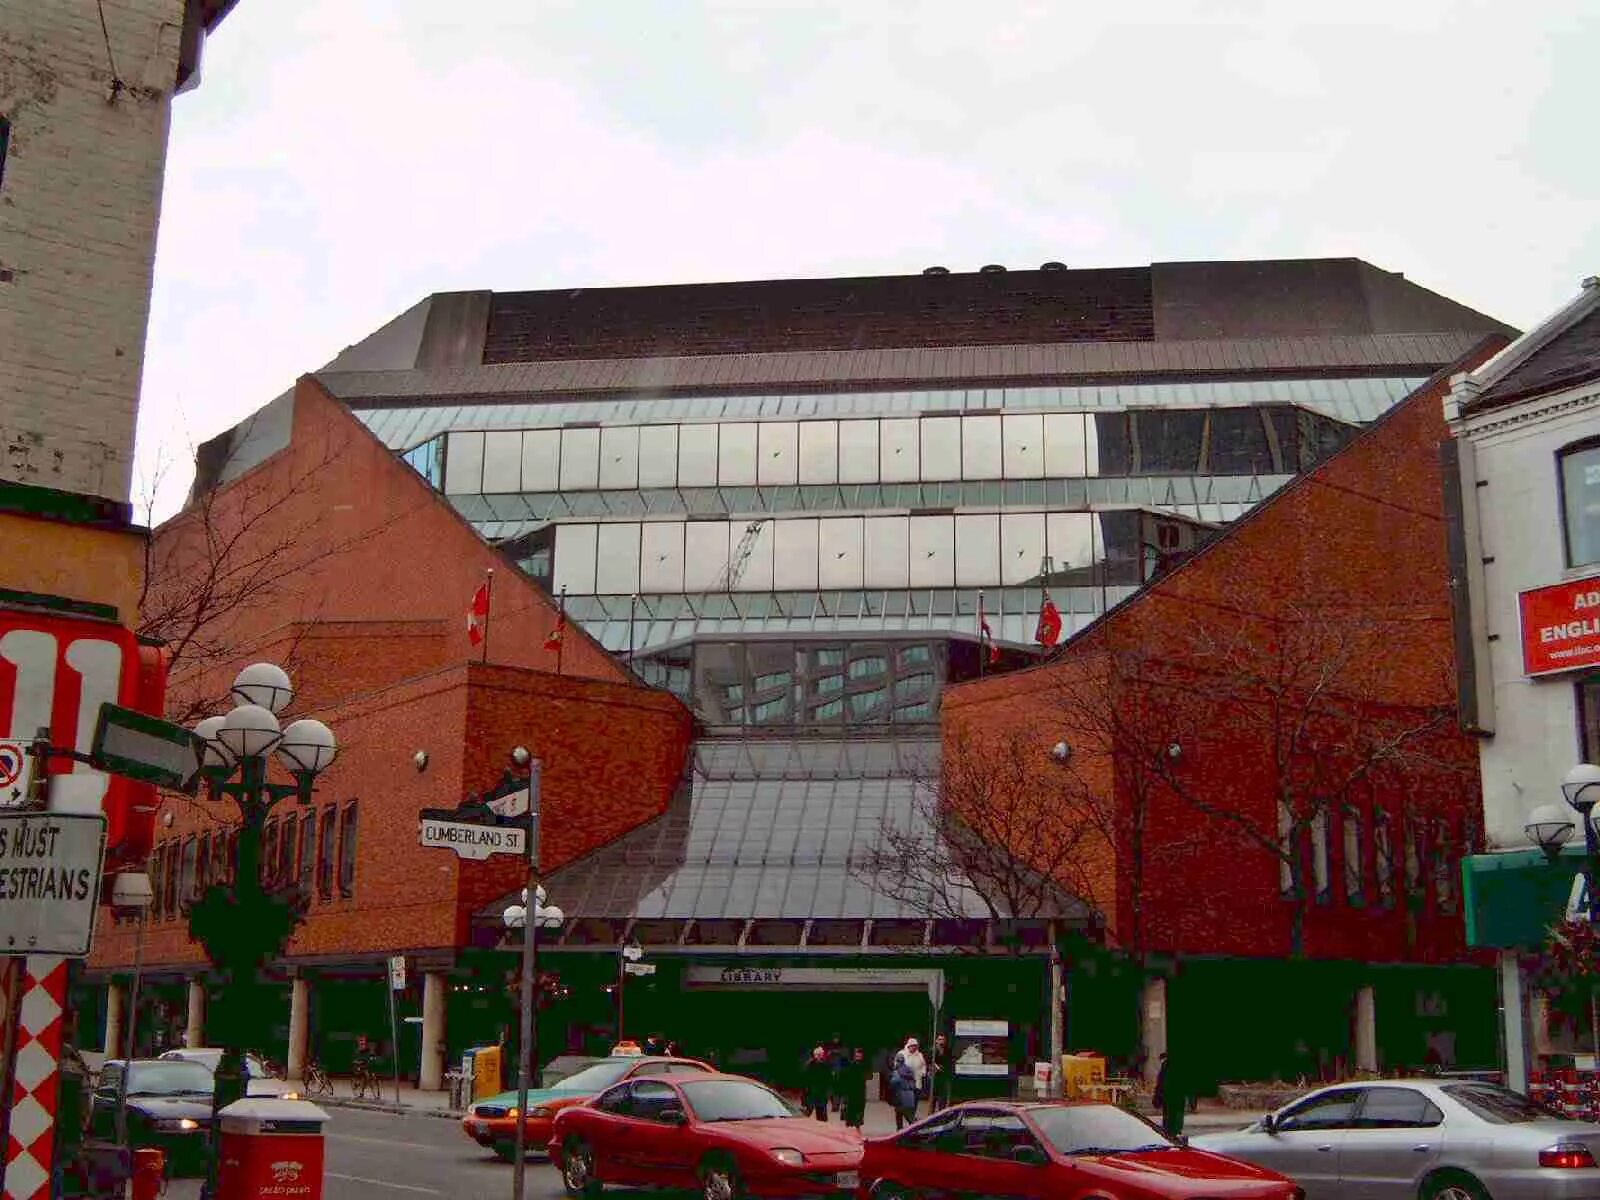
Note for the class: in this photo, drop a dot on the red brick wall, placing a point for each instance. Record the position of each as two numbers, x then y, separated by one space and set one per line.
1357 546
613 756
336 529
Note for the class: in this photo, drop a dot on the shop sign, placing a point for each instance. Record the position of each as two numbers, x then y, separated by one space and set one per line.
982 1029
1560 627
841 979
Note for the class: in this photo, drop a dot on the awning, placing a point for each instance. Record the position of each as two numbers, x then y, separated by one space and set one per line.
1513 898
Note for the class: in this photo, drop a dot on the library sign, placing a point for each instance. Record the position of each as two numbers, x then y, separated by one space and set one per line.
1561 627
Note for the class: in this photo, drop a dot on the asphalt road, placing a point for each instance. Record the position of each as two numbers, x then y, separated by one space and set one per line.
378 1156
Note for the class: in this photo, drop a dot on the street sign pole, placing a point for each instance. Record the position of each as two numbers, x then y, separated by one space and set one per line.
397 980
526 1054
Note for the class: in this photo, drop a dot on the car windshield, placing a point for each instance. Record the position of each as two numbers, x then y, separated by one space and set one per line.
735 1100
174 1078
1096 1129
598 1077
254 1068
1498 1105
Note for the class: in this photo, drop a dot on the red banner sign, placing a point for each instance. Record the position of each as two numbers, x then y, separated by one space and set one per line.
1561 627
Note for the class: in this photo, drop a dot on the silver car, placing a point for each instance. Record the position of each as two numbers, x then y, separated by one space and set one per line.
1435 1140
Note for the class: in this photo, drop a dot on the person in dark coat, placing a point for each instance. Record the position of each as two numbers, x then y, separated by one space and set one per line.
1170 1099
818 1084
939 1069
903 1091
852 1084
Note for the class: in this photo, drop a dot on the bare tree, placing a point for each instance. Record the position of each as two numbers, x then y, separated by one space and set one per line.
238 563
1303 703
991 832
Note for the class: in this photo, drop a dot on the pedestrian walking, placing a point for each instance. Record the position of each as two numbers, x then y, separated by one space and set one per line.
1170 1098
903 1089
852 1078
818 1077
939 1063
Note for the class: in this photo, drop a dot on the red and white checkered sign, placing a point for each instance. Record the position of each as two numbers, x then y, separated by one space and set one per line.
34 1099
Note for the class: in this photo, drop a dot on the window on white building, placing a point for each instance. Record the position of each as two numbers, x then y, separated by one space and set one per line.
1580 502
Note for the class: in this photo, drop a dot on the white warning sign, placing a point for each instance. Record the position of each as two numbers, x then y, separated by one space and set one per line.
50 865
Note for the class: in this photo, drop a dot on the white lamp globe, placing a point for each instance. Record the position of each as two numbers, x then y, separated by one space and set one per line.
551 917
514 916
249 731
308 747
265 684
1549 827
1581 787
215 753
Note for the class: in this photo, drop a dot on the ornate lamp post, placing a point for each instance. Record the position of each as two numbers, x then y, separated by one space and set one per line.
516 917
241 924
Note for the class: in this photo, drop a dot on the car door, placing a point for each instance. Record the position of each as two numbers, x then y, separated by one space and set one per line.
1306 1140
661 1152
1396 1138
608 1127
926 1159
1008 1163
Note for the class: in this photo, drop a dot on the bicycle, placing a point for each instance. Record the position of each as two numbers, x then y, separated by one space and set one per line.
317 1082
366 1080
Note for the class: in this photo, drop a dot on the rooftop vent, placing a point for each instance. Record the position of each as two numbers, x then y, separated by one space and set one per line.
992 269
936 270
1053 266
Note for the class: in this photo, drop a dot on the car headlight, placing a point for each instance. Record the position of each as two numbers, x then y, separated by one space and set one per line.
291 1096
176 1124
788 1156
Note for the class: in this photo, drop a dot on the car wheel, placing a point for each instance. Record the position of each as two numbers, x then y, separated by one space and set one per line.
577 1169
719 1180
1453 1185
884 1190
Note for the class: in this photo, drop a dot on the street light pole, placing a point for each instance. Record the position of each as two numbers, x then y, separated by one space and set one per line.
533 914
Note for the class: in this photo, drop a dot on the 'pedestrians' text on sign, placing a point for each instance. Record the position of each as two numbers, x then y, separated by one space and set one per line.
50 866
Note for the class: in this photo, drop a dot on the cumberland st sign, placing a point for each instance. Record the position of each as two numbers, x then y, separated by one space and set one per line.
1560 627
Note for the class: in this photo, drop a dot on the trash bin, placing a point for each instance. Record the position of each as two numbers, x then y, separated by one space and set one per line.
271 1147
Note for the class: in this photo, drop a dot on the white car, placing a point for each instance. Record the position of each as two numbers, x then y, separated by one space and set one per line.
257 1081
1421 1140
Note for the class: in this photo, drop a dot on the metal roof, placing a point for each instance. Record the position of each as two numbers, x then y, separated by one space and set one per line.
1364 354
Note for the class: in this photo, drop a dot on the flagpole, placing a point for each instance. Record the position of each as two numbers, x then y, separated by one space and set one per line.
488 611
561 628
983 650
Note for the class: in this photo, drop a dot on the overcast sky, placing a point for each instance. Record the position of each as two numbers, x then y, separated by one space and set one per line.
344 158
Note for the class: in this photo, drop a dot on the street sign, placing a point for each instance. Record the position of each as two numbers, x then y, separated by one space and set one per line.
146 748
639 968
16 772
633 952
50 865
513 804
472 839
397 973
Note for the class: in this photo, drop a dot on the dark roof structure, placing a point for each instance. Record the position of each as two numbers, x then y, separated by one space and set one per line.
1563 352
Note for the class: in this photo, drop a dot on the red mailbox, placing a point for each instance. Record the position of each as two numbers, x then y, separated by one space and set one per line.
271 1148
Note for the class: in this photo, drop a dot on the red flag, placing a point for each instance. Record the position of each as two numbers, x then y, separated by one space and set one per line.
985 634
1049 631
553 642
478 615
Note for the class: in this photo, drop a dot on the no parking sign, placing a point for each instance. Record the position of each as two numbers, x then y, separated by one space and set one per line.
15 772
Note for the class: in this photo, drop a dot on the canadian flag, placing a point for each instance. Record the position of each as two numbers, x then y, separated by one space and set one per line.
553 642
1048 632
478 614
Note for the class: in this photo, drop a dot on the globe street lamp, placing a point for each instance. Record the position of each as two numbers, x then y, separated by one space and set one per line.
1549 827
516 917
241 925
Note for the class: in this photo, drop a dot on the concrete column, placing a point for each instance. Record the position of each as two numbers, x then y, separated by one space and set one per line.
434 990
299 1027
1513 1015
1367 1029
116 1005
1539 1020
194 1029
1153 1026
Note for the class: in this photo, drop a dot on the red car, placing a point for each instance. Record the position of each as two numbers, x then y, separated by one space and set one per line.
1054 1151
723 1134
